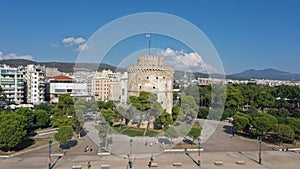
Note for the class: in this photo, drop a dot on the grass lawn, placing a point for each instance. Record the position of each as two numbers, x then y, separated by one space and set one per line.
134 131
27 145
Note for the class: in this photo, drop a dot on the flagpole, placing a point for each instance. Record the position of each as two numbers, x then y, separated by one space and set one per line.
149 43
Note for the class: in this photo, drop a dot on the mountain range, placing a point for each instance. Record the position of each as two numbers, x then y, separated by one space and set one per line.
69 67
267 74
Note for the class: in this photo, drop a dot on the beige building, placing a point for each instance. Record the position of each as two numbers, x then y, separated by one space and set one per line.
101 85
107 85
151 75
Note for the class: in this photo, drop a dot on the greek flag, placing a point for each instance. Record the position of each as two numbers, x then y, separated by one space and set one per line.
148 35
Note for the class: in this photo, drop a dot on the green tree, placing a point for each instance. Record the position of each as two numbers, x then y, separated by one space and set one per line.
241 121
249 91
41 117
108 115
60 119
12 130
285 132
146 106
164 120
263 100
28 114
65 101
234 97
64 134
195 131
175 112
189 107
295 124
264 123
203 112
44 106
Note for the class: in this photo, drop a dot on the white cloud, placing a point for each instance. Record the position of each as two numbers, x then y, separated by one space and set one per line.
78 42
72 41
14 56
182 60
55 44
83 47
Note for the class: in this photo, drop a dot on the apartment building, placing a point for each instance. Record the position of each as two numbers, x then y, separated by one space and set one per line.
35 85
12 84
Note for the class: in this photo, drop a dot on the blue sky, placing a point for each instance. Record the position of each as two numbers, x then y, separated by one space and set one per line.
246 34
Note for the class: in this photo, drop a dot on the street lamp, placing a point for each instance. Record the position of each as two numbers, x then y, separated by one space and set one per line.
199 159
259 154
130 160
49 159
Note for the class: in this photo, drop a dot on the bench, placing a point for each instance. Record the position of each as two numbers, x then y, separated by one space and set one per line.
105 166
76 167
154 165
240 162
177 164
218 163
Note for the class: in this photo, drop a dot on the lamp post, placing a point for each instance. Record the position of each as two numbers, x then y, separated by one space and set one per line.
49 158
199 158
130 160
259 154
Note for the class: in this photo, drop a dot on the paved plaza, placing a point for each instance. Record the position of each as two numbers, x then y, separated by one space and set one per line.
220 147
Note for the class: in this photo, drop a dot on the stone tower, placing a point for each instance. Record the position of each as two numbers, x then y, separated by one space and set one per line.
151 75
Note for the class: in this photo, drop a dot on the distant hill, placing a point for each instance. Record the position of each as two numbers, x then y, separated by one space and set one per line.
69 67
61 66
267 74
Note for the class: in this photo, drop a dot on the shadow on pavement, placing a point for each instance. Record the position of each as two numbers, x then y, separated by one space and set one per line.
192 158
52 166
70 144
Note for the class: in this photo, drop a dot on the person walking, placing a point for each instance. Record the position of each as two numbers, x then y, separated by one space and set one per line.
89 165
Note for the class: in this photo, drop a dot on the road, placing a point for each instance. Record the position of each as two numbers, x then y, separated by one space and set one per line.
219 147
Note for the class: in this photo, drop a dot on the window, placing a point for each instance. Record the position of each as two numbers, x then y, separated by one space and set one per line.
156 77
147 77
140 87
153 87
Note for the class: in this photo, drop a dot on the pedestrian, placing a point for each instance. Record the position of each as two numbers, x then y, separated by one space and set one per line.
151 144
146 143
89 165
152 158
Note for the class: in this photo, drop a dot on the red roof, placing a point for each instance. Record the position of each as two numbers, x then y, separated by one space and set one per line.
61 77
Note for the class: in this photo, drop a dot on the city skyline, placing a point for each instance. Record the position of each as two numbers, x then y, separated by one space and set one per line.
246 35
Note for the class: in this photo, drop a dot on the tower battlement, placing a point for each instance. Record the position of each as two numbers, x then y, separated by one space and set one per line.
150 63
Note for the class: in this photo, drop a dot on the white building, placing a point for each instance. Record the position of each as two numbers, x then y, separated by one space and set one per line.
118 87
34 77
11 81
58 85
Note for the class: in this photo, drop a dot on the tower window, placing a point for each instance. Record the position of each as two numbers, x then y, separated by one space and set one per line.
156 77
153 87
147 77
140 87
